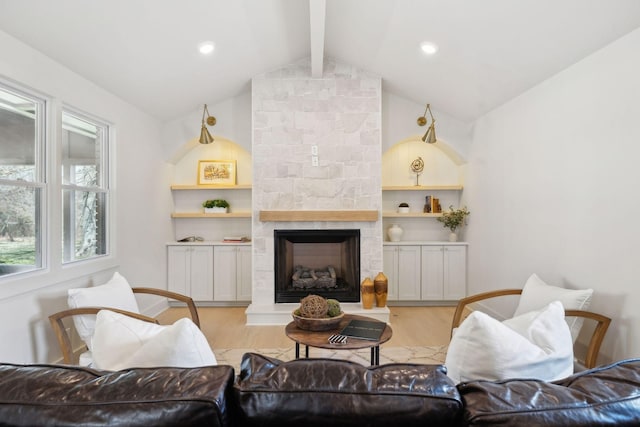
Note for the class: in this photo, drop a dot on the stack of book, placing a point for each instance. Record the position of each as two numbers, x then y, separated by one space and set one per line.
236 239
432 205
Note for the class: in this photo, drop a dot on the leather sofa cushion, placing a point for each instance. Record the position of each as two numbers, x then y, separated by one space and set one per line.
55 395
327 392
604 396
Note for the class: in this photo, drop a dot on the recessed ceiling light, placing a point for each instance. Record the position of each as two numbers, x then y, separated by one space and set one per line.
429 48
206 48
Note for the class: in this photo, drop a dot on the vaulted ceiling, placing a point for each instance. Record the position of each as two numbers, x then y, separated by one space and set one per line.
145 51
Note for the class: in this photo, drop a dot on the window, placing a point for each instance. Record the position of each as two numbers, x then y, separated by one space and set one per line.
22 180
84 187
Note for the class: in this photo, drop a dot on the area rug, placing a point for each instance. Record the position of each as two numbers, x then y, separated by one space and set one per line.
420 354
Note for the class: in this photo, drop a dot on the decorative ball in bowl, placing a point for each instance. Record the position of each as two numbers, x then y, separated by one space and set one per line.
317 324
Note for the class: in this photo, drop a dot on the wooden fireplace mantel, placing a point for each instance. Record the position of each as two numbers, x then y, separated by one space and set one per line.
319 215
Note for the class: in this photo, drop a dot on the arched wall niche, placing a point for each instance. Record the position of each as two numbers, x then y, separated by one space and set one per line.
442 164
187 156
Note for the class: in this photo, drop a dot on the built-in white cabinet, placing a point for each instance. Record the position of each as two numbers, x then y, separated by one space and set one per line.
210 272
190 271
402 268
232 273
430 272
444 272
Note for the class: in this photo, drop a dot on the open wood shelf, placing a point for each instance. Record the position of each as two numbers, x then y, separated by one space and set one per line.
210 187
319 215
422 187
392 214
212 215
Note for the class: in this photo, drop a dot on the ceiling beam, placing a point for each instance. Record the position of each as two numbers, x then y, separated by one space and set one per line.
317 14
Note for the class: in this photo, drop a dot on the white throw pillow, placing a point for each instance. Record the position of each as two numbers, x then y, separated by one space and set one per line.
122 342
116 293
536 345
537 294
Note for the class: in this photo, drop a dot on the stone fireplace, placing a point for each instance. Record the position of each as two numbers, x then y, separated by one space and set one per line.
337 120
321 262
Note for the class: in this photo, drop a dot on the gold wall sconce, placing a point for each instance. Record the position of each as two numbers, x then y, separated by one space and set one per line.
205 136
430 135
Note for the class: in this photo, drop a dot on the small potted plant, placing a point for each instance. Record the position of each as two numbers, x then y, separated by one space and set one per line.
215 206
403 208
454 219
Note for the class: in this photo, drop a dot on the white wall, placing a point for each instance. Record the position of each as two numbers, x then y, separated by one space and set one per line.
141 208
552 188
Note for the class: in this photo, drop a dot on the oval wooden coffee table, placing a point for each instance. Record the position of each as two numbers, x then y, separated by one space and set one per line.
320 339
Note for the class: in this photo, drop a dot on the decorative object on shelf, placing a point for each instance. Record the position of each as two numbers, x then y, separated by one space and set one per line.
403 208
368 293
381 288
454 219
430 136
205 136
417 166
395 233
216 172
215 206
432 205
317 313
427 205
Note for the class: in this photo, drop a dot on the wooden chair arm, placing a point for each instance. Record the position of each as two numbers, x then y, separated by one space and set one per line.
175 296
61 334
600 330
457 315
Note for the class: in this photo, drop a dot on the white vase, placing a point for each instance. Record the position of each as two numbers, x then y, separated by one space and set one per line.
395 233
453 236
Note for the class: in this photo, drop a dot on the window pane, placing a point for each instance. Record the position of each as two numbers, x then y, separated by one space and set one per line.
81 151
19 231
17 136
83 225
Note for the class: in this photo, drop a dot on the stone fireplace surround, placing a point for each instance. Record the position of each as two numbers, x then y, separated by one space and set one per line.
340 115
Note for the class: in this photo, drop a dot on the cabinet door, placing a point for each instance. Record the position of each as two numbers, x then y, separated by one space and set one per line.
455 272
408 273
201 273
179 269
390 268
243 267
432 273
224 273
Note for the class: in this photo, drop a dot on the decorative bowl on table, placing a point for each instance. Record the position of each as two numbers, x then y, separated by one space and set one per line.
317 324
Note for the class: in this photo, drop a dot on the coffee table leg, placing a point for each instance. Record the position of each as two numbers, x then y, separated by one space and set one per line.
375 355
306 351
297 350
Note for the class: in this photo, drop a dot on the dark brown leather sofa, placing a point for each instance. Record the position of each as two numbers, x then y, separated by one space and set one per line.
56 395
312 392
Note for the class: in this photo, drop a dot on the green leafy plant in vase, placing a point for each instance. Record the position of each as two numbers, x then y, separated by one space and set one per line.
453 219
215 206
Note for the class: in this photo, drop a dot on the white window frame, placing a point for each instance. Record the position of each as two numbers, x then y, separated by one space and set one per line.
40 180
103 186
52 269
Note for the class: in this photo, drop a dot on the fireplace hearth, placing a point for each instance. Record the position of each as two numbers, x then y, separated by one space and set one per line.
320 262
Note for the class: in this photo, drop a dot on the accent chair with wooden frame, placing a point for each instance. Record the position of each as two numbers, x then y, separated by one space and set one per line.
593 349
64 340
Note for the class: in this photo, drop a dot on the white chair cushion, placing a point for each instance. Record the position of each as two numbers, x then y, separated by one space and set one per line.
535 345
537 294
116 293
122 342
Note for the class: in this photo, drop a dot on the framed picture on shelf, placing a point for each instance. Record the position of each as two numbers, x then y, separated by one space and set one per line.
216 172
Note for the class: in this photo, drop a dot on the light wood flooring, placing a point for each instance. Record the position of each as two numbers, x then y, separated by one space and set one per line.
225 327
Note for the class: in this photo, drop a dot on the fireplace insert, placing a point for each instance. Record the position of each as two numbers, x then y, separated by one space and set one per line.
320 262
